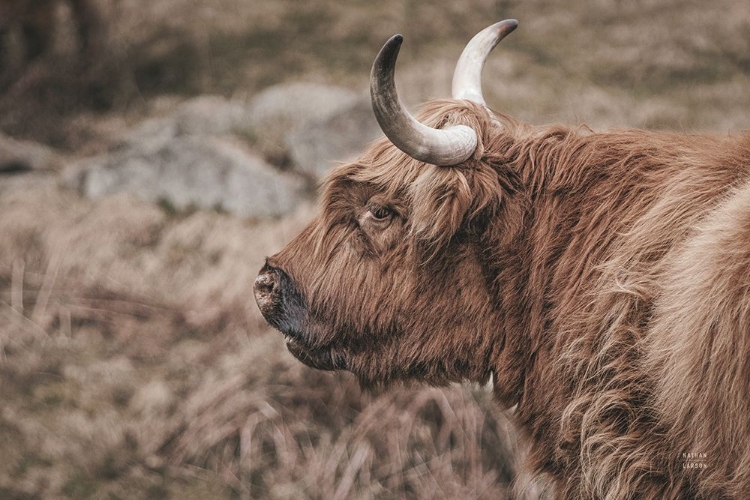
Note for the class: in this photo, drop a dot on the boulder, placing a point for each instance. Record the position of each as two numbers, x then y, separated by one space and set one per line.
189 172
293 103
319 143
211 115
193 158
150 135
17 156
204 116
280 109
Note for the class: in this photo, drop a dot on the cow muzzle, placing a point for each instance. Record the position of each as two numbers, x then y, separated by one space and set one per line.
266 289
284 307
279 301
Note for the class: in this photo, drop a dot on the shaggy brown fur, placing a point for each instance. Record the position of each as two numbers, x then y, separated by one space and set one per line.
603 279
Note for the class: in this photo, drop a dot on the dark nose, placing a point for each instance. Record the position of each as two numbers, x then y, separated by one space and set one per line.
266 290
280 301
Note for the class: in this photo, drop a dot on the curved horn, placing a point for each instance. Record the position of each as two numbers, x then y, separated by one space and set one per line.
442 147
467 78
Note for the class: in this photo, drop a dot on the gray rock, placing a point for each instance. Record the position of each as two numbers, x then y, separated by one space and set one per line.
150 135
293 103
211 115
186 161
319 143
194 172
282 108
17 156
203 115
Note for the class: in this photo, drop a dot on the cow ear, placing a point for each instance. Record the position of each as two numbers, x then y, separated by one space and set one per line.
444 199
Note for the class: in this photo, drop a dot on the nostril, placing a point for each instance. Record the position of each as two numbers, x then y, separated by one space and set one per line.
279 301
267 288
265 283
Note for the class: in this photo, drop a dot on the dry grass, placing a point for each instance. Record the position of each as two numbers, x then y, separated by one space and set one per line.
133 361
134 365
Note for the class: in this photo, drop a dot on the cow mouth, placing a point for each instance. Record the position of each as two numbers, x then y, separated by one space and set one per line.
320 358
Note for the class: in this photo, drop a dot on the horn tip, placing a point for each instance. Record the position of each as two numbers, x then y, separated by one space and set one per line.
392 46
508 25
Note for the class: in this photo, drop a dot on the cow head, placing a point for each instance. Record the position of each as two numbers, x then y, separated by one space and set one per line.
387 281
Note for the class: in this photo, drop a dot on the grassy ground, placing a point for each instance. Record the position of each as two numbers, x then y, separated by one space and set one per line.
133 361
135 365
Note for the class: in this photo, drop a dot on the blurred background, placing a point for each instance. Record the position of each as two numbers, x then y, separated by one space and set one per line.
153 153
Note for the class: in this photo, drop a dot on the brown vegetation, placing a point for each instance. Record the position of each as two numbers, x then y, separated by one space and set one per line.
118 379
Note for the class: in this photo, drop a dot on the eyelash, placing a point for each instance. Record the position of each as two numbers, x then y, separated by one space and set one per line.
380 213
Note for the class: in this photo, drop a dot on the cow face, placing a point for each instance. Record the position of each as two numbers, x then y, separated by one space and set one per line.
387 280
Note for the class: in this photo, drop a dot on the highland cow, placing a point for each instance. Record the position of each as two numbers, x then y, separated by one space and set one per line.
601 281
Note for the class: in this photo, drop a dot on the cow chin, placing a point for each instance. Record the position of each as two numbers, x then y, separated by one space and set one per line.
321 358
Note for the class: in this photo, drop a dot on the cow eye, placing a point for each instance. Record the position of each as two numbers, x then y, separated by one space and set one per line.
380 213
